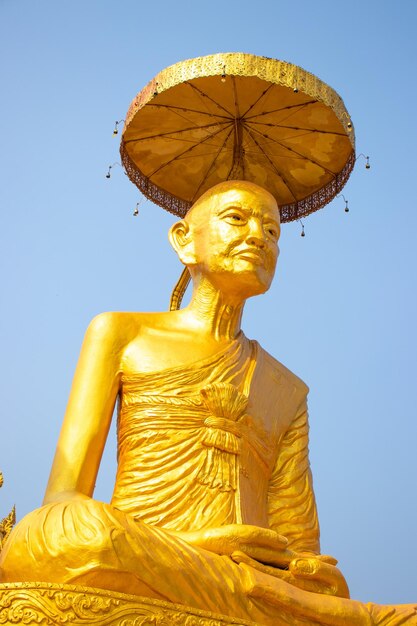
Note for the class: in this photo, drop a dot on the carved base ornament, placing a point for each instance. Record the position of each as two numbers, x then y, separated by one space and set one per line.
7 522
37 603
50 604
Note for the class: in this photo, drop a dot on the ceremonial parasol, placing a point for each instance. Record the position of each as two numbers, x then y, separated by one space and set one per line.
238 116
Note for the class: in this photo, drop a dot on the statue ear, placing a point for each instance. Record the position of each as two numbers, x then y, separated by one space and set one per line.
181 240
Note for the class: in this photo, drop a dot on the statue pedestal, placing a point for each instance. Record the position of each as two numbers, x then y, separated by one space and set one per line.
48 604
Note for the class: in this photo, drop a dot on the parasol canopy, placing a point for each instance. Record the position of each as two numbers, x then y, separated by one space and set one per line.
238 116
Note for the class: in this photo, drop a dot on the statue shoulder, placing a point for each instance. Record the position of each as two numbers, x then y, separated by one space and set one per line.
286 377
116 323
115 328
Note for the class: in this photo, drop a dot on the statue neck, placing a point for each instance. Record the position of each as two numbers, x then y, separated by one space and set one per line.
215 313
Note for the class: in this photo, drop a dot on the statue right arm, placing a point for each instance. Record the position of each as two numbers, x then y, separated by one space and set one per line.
89 412
291 503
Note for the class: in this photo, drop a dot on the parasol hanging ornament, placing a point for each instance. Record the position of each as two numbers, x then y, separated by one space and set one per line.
238 116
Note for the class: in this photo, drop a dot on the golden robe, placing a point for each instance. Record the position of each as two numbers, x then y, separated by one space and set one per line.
220 441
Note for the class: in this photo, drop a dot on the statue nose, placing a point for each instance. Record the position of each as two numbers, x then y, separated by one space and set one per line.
256 241
256 236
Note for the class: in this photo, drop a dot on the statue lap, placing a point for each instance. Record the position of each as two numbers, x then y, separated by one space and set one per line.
114 546
121 555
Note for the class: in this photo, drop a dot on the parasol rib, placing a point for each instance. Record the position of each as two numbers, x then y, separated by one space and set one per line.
286 108
176 132
176 111
290 138
206 175
178 156
293 113
207 154
310 130
203 101
171 106
257 100
272 164
303 156
204 95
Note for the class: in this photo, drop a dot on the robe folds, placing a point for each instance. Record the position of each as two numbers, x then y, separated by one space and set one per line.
220 441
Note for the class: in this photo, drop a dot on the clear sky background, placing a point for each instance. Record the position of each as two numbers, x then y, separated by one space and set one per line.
342 310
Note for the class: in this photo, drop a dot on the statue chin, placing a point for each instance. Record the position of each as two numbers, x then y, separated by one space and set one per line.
242 283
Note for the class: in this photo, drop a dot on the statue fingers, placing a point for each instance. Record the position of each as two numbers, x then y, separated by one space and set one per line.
305 584
261 544
241 557
240 535
270 556
263 537
326 575
326 558
276 558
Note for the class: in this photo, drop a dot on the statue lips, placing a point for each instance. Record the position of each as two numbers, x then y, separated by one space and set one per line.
254 255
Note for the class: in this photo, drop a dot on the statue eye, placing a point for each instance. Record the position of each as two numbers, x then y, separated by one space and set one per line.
273 232
235 218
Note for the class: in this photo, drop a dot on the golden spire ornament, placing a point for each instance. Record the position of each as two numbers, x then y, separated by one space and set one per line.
7 523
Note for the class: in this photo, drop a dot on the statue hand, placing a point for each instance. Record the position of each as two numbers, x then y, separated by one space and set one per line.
259 544
311 572
322 574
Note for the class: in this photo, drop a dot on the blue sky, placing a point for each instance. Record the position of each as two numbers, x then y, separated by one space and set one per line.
342 310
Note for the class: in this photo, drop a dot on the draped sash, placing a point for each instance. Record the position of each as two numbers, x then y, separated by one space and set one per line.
182 433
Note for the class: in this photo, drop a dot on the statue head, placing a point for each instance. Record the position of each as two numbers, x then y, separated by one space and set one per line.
230 237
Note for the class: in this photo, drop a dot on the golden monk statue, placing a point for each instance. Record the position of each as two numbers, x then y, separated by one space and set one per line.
213 505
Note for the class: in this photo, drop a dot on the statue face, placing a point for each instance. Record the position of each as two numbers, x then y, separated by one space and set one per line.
235 234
